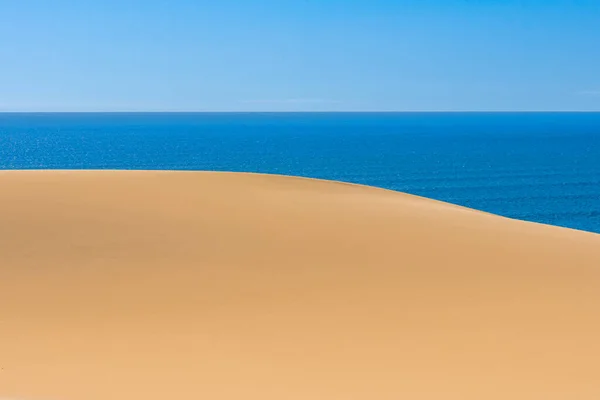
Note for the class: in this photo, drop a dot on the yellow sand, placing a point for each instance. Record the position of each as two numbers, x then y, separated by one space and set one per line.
174 285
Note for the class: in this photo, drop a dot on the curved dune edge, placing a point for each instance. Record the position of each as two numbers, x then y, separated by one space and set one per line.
156 285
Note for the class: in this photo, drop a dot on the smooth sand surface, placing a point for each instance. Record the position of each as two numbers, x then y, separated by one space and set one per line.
175 285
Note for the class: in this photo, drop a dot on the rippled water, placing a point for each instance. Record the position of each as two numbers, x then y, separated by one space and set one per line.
542 167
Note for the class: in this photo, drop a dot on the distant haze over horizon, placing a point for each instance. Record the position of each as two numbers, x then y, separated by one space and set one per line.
300 56
116 112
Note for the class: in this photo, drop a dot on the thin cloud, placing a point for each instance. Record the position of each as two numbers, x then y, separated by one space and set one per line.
592 93
291 101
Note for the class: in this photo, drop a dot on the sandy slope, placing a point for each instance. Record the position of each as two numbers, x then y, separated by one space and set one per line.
158 285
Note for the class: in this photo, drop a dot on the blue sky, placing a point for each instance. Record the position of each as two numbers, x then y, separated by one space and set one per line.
299 55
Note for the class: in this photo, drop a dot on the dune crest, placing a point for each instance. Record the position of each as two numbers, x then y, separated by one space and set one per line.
156 285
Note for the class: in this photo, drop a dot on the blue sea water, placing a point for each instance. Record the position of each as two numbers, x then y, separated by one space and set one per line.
542 167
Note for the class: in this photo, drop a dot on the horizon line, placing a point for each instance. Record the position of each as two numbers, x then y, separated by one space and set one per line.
298 112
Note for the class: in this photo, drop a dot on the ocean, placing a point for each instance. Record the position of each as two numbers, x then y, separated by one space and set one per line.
542 167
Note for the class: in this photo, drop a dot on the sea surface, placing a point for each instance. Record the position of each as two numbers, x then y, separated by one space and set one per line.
542 167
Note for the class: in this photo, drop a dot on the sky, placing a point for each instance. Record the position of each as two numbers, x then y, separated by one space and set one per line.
300 55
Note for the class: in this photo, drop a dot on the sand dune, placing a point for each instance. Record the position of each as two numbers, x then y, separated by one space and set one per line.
172 285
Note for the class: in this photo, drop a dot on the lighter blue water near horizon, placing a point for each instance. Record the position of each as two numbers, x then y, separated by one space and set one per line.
542 167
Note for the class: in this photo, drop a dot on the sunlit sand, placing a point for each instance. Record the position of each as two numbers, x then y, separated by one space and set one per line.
184 285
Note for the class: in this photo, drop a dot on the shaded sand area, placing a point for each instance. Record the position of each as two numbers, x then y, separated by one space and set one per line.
182 285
